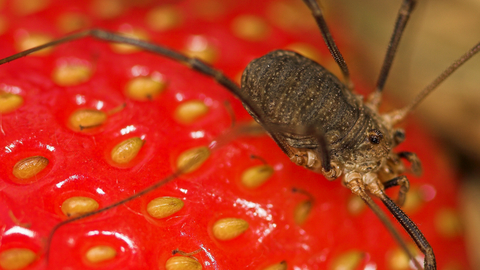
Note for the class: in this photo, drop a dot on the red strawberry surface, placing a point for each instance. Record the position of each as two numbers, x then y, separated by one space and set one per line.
337 230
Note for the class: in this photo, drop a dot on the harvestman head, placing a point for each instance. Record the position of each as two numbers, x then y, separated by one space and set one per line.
273 129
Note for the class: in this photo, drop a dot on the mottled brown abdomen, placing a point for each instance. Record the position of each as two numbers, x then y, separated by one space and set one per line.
293 90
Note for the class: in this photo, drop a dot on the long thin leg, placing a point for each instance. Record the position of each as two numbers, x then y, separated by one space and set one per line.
327 37
357 188
404 184
375 187
403 15
413 231
193 63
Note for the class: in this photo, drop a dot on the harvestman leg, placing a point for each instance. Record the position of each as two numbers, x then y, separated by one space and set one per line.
327 37
196 65
408 225
404 184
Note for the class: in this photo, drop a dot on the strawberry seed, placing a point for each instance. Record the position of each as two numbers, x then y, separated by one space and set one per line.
16 258
29 167
71 74
87 118
182 263
127 150
144 88
192 159
229 228
100 253
256 176
278 266
347 261
164 206
189 111
9 102
78 205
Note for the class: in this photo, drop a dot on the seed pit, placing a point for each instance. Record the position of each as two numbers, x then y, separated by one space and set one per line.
164 18
163 207
229 228
190 160
29 167
190 111
100 253
399 260
78 205
182 263
448 223
256 176
145 88
131 33
302 211
278 266
9 102
127 150
251 28
349 260
16 258
31 40
71 74
199 47
69 22
87 118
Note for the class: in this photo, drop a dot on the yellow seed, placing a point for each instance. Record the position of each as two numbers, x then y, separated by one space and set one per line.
164 206
29 167
132 33
355 205
69 22
164 18
107 9
26 7
347 261
127 150
190 111
256 176
16 258
277 266
229 228
71 74
144 88
76 206
9 102
448 223
87 118
192 159
182 263
413 201
100 254
251 28
33 40
399 260
302 210
306 50
199 47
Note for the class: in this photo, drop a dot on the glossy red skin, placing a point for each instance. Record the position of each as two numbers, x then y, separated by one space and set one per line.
80 163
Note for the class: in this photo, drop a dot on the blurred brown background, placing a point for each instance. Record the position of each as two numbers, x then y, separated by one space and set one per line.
439 32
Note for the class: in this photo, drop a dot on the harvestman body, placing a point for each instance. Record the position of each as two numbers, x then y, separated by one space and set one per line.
316 119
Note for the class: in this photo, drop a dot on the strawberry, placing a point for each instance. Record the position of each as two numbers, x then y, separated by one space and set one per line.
89 123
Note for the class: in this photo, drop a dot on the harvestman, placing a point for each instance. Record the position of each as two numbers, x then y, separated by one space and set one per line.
356 141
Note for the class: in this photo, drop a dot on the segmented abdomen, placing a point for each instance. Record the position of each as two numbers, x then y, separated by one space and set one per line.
293 90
